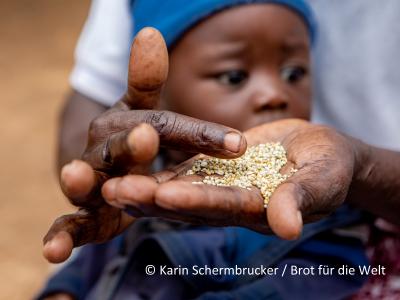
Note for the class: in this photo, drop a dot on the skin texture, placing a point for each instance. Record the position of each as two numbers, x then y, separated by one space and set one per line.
324 160
119 143
331 167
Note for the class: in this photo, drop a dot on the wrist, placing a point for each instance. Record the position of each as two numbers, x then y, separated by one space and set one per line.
361 189
363 163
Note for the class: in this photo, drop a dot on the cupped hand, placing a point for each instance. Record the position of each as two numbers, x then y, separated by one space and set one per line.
324 158
125 140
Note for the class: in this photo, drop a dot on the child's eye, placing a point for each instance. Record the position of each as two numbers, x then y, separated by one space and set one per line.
293 74
234 77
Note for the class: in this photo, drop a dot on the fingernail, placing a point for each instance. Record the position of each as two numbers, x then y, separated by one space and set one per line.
233 141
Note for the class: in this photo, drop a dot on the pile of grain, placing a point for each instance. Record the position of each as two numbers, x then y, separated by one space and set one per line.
259 167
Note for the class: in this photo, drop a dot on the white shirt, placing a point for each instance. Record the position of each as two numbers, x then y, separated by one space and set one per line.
102 53
357 69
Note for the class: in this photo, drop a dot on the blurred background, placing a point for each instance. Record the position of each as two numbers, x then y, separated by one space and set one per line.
37 40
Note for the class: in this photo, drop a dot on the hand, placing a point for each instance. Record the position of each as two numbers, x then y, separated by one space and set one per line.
325 161
125 139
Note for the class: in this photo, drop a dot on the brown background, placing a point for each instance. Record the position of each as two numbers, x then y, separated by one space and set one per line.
37 39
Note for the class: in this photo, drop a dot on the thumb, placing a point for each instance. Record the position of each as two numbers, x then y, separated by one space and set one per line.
148 69
283 213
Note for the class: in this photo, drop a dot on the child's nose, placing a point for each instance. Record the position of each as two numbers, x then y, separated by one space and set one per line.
270 97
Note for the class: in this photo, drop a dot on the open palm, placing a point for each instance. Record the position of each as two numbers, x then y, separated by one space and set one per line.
324 160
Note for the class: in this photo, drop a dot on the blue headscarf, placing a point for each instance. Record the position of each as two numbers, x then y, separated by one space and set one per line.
174 17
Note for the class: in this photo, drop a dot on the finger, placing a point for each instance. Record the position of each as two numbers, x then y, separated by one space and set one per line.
174 131
59 248
129 148
139 196
81 184
221 206
80 228
283 213
133 190
313 192
135 194
148 69
109 191
187 134
195 136
119 192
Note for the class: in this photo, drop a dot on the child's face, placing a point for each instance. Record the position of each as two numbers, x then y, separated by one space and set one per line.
242 67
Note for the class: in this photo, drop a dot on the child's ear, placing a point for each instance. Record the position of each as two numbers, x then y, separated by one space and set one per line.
148 69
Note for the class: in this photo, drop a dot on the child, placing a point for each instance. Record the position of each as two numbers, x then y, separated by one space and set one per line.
241 64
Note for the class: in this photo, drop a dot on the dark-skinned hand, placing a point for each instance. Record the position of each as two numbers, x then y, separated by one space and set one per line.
125 140
326 161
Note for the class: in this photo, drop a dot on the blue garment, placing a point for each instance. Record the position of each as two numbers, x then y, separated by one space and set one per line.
79 275
174 17
123 276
